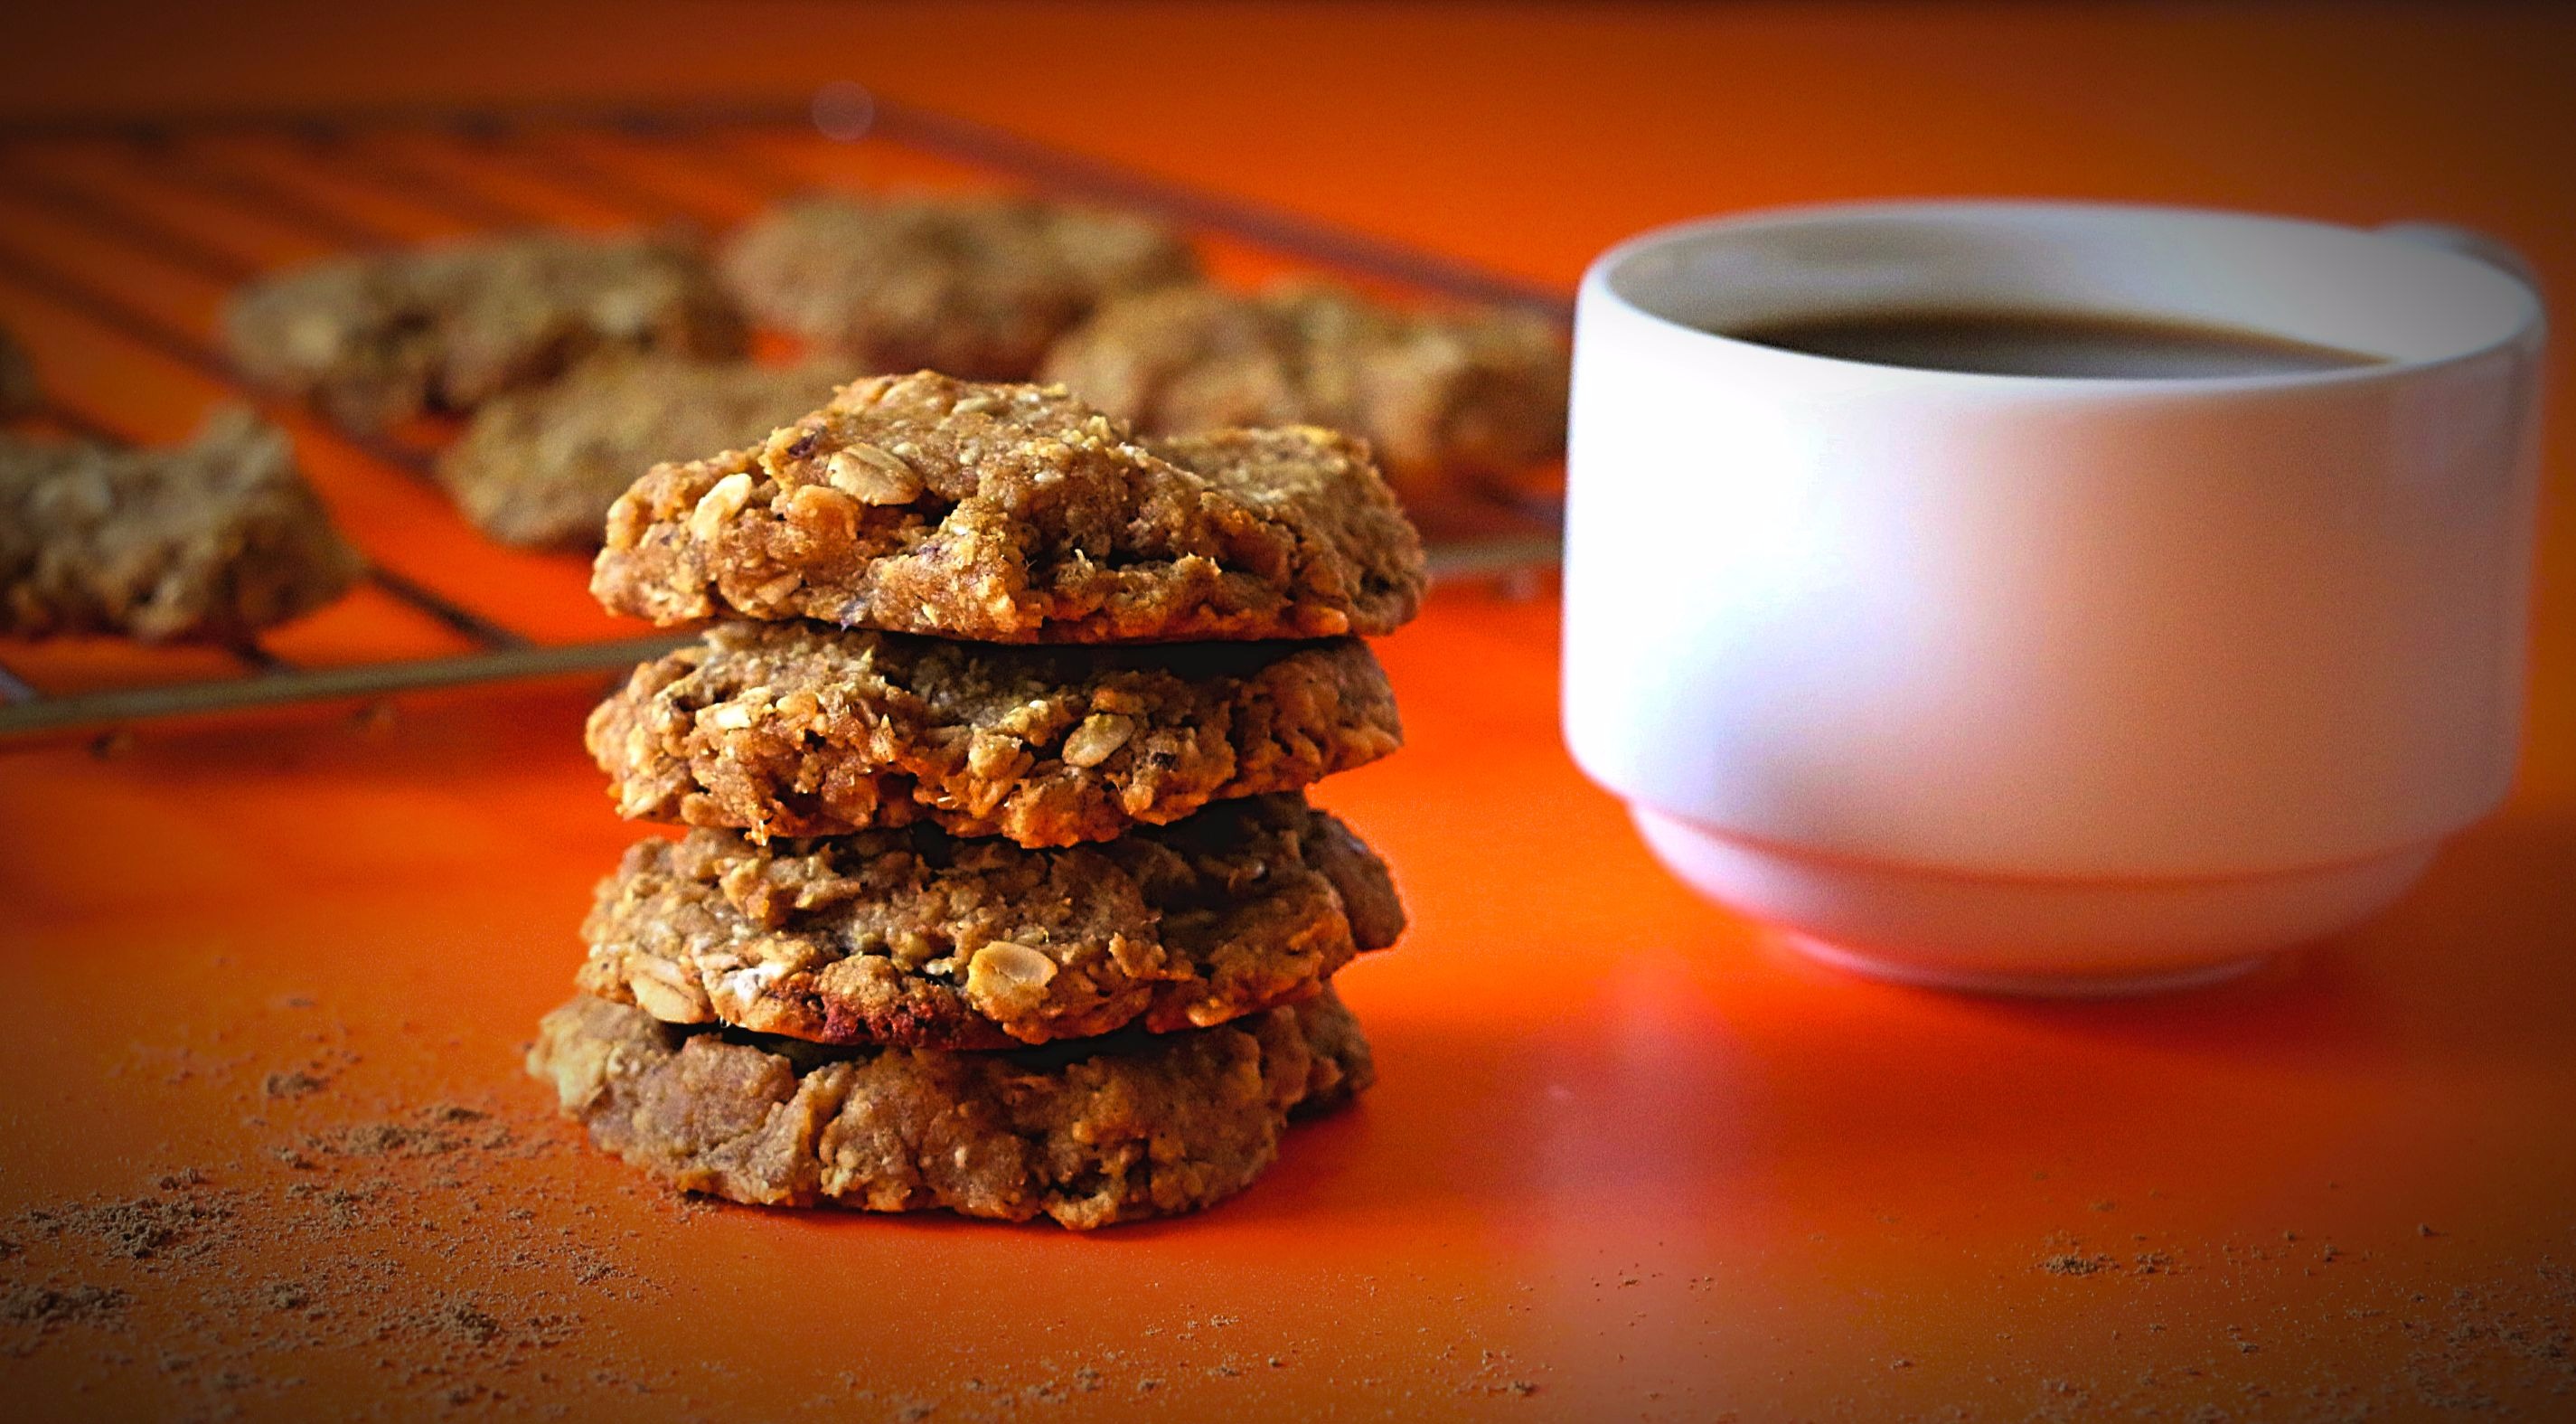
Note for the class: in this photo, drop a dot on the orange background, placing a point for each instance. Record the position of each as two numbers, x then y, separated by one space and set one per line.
1625 1153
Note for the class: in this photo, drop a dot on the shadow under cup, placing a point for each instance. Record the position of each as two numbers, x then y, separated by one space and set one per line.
2048 683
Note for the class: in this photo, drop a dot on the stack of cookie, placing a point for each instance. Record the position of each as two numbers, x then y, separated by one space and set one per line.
1002 894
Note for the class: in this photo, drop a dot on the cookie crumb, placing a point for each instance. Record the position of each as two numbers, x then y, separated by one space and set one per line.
293 1084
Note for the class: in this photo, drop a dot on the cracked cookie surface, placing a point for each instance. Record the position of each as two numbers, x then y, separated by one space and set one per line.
1435 393
792 729
918 937
212 541
974 285
541 467
375 339
1089 1134
1017 514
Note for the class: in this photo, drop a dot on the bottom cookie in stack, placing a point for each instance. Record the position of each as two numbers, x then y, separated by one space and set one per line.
1088 1131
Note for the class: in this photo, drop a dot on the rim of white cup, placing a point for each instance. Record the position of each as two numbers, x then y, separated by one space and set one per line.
1600 285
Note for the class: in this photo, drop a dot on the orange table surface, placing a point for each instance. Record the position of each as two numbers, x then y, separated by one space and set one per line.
265 1147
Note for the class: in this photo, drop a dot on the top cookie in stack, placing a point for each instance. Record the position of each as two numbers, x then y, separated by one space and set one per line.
932 835
1017 514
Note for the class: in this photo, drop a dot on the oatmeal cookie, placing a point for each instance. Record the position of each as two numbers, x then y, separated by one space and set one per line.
375 339
19 392
917 937
541 467
1436 394
976 286
1017 514
797 730
1090 1134
214 540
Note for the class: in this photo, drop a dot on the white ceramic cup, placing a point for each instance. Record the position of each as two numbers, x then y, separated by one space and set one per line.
2048 684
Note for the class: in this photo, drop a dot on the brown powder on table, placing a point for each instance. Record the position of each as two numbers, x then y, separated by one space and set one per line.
368 1239
138 1228
433 1247
2504 1345
48 1308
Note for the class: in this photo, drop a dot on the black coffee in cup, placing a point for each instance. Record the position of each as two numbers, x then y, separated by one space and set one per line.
2025 343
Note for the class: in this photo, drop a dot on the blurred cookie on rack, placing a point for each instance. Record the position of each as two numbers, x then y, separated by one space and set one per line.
540 467
376 339
973 285
1438 394
211 541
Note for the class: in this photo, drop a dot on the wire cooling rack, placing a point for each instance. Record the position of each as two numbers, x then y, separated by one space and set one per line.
118 240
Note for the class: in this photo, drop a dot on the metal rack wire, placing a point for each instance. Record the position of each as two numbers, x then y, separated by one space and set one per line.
539 150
